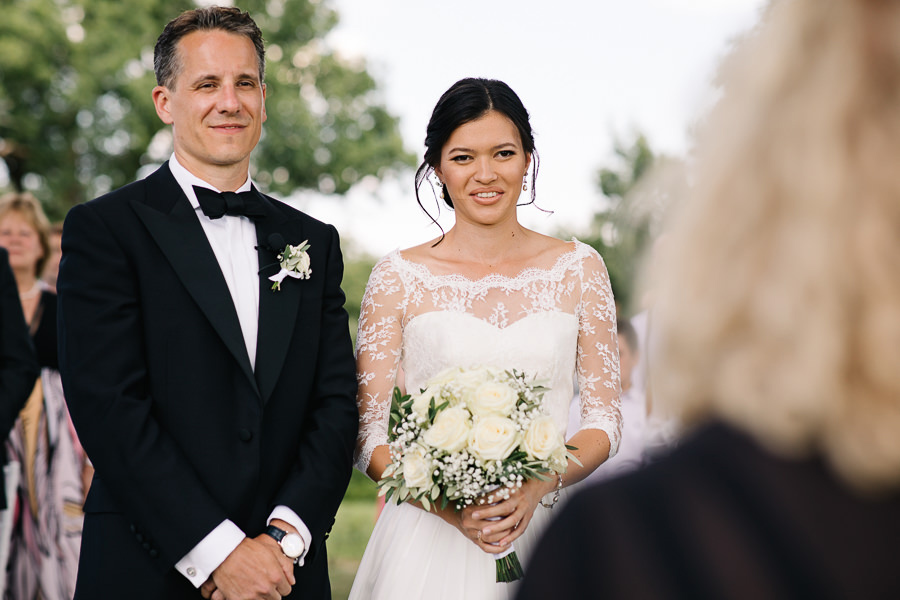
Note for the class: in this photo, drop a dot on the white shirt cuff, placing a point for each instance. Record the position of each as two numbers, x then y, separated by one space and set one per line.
198 564
289 516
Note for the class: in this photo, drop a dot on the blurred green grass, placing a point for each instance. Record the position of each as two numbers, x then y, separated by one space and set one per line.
352 528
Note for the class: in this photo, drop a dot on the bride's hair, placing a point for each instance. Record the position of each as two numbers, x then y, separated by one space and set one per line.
779 297
468 100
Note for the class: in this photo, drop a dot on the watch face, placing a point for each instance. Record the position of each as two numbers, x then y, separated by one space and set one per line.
292 545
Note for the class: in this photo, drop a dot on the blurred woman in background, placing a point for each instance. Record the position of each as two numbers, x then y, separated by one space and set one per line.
47 531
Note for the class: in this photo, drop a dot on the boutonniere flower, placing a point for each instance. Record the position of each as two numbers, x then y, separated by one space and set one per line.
294 262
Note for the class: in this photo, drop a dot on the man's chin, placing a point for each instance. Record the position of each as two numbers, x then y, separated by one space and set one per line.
227 158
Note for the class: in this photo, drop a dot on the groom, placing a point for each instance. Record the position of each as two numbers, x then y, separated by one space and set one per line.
219 412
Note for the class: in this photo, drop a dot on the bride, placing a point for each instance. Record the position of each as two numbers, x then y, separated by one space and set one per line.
488 292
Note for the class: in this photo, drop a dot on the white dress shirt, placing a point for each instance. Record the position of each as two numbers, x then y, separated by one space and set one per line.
233 241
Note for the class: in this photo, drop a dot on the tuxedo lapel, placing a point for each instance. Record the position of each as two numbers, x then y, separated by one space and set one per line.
173 225
277 309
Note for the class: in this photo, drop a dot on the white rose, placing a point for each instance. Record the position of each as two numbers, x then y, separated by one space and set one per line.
296 260
303 263
416 470
467 381
450 430
445 377
422 402
493 398
494 438
542 438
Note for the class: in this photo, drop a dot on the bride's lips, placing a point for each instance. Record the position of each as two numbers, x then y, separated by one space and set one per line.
487 196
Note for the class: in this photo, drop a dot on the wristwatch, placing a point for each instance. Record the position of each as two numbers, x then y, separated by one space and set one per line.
291 543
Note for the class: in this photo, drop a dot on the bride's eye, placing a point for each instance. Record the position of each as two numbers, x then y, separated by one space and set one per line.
460 158
506 153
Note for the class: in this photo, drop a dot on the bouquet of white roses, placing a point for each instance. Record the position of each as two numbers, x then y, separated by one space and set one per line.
467 433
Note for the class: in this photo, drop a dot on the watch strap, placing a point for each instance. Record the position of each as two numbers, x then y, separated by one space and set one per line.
276 533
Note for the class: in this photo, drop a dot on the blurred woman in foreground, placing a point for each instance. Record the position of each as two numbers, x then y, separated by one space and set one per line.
779 340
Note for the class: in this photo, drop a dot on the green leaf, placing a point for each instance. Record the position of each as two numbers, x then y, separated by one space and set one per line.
574 459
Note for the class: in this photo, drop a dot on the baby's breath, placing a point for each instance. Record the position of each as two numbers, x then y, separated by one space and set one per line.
462 477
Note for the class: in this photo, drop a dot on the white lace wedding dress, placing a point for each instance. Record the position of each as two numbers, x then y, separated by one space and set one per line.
553 321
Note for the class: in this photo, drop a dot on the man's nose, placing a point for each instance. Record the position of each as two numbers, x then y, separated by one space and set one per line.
229 102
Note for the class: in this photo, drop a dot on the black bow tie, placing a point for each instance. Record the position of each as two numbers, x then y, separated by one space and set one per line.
217 204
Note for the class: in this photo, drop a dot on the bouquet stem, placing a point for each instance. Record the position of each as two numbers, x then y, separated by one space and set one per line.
509 568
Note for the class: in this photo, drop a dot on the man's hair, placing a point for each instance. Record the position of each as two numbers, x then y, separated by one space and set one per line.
166 61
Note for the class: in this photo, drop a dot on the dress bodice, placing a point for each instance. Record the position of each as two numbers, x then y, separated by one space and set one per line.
439 340
551 322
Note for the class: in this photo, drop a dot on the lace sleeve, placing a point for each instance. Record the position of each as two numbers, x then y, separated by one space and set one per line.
377 357
598 352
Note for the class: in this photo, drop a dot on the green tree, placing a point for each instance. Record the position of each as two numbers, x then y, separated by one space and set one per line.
357 268
76 118
637 192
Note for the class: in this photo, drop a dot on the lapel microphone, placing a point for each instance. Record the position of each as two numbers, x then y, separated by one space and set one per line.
276 242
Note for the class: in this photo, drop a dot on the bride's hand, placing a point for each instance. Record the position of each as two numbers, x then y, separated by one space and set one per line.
516 512
474 528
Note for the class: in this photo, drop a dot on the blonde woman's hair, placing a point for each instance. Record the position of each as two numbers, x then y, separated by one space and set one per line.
29 208
779 293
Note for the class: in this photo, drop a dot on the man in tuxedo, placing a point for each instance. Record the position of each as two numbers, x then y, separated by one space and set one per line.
219 412
18 363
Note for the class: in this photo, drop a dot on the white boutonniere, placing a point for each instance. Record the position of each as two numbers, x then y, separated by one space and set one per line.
294 262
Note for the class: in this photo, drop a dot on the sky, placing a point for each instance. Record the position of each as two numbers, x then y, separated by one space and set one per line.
588 71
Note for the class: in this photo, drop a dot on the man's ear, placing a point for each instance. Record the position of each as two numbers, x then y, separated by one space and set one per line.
264 115
161 102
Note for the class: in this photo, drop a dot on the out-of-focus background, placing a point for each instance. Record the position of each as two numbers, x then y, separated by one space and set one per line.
613 90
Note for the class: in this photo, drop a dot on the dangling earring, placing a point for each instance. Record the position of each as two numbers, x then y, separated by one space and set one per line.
442 192
525 183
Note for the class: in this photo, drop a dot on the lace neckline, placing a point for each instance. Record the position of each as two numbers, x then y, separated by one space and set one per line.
560 265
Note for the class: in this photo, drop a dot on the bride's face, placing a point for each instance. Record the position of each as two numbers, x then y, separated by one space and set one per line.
483 165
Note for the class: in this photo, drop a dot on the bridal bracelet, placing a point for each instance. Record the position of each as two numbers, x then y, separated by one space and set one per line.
555 493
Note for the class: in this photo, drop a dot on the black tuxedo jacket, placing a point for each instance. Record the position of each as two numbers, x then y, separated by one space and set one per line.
18 363
182 432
